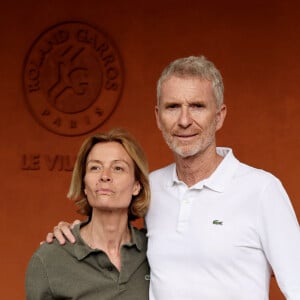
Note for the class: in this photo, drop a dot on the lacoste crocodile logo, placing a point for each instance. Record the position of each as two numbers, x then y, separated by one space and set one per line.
217 222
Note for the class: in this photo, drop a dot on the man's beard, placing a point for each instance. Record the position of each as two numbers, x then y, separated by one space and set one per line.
188 149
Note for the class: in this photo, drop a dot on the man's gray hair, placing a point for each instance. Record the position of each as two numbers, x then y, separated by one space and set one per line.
194 66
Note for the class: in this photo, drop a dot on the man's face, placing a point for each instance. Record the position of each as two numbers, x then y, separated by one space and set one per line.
188 116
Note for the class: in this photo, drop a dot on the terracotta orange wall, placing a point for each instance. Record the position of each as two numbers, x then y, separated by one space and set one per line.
255 45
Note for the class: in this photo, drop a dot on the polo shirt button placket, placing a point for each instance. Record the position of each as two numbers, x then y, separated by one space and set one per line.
110 268
184 212
122 286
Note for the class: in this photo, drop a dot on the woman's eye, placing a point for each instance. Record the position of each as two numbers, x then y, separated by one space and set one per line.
118 168
94 168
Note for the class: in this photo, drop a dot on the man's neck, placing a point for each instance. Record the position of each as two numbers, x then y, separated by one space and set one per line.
195 168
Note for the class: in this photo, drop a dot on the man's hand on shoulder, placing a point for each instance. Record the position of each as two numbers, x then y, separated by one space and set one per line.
62 232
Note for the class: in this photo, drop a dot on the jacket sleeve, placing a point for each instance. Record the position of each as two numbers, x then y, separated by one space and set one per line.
36 280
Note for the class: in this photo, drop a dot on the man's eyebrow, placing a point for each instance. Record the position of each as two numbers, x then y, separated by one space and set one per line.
197 101
191 102
170 102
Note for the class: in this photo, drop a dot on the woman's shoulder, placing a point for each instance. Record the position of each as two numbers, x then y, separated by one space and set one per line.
140 231
139 236
51 250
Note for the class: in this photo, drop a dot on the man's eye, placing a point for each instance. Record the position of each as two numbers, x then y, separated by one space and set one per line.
172 106
197 105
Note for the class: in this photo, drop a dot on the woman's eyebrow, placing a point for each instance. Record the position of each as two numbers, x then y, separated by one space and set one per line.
114 161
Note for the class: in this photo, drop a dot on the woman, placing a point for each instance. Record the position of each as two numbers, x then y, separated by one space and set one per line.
108 261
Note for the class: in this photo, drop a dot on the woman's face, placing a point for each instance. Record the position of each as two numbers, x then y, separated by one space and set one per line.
109 180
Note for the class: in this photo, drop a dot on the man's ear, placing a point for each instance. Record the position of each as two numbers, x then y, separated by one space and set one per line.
157 117
220 117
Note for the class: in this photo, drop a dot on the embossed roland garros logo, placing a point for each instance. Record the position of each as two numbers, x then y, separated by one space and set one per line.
73 78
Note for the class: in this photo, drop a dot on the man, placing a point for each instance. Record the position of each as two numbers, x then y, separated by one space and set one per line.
217 228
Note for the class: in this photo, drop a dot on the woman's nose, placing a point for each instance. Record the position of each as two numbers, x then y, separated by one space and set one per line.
105 176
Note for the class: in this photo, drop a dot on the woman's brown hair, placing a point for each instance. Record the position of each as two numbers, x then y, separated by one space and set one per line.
140 203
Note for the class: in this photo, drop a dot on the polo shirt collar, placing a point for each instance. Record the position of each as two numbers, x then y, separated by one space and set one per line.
82 250
220 178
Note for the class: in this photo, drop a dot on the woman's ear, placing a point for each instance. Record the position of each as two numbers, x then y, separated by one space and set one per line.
137 188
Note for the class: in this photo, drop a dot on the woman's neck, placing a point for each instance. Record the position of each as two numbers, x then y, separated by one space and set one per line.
107 231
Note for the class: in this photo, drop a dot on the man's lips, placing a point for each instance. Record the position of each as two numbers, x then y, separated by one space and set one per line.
185 136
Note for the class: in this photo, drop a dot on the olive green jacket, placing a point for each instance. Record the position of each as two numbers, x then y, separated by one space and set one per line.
75 271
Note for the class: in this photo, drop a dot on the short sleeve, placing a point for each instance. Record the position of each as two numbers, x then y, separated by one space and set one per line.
36 281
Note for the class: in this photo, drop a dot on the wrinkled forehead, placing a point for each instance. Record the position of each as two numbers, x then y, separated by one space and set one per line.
185 87
108 150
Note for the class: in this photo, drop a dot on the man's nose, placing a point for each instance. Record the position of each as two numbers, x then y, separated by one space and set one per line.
185 119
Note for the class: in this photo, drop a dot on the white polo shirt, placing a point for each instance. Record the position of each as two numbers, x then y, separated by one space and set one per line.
219 239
